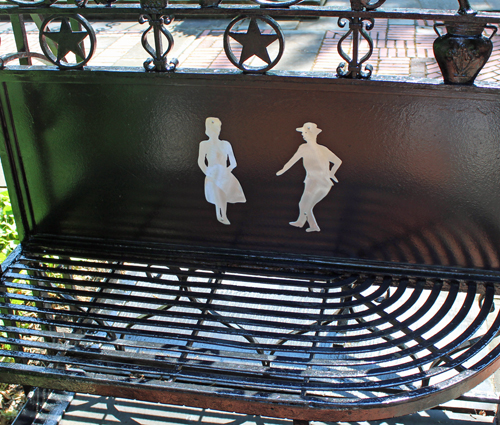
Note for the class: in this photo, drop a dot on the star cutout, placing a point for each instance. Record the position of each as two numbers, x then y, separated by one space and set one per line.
67 40
254 42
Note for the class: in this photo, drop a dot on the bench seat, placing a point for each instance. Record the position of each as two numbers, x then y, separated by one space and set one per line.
313 341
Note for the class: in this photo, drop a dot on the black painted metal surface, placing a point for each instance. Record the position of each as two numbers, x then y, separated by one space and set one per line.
129 285
100 157
43 407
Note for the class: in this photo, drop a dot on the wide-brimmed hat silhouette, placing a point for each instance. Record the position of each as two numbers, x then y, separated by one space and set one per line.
310 127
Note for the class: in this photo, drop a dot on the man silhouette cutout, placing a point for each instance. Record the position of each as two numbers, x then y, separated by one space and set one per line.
319 175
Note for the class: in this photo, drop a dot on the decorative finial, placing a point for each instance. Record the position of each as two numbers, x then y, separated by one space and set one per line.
465 8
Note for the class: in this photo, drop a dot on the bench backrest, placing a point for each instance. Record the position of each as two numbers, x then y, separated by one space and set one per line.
115 156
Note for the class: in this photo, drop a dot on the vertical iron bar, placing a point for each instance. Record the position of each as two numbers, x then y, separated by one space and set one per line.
465 8
354 65
37 19
40 304
14 169
12 257
77 26
19 29
204 313
6 300
315 343
158 42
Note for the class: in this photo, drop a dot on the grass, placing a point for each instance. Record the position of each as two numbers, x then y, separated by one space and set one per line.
12 397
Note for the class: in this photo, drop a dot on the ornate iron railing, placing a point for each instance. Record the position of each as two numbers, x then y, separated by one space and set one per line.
461 52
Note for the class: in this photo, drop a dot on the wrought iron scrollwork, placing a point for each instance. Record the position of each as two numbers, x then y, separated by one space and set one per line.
67 40
4 60
254 43
372 6
352 68
158 61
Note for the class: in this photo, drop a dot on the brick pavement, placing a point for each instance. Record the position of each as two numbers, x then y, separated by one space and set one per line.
401 47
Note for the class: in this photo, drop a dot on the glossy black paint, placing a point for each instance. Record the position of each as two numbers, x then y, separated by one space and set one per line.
114 156
326 344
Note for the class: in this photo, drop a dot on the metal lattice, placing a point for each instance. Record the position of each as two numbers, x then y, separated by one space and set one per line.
274 344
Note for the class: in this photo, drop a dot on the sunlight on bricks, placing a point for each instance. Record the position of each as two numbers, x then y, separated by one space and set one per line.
396 47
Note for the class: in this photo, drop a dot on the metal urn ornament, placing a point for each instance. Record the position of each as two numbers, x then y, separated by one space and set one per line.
463 51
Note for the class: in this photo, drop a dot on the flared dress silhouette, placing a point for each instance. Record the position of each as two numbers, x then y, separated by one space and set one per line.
216 160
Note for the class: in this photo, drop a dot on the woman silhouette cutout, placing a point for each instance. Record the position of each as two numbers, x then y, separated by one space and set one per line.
216 160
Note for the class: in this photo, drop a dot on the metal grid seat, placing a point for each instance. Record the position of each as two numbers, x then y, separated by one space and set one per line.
337 343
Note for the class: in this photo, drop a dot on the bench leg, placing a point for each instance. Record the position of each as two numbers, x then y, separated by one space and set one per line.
43 406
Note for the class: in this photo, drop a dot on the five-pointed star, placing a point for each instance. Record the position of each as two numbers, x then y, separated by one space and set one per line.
67 40
254 42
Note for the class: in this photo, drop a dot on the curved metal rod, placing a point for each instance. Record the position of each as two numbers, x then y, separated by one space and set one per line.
462 347
28 3
208 312
277 3
342 23
161 308
368 6
388 338
353 67
22 55
263 55
367 37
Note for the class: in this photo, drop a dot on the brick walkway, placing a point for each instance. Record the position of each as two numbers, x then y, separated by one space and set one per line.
401 47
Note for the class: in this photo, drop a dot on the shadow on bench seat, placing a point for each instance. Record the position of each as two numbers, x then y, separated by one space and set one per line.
332 343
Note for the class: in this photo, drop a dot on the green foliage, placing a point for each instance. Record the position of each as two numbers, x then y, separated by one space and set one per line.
11 398
8 241
8 232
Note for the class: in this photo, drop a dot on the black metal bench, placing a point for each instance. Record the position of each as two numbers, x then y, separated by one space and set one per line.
127 284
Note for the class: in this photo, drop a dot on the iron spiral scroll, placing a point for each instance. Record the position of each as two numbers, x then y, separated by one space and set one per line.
352 68
393 345
158 61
